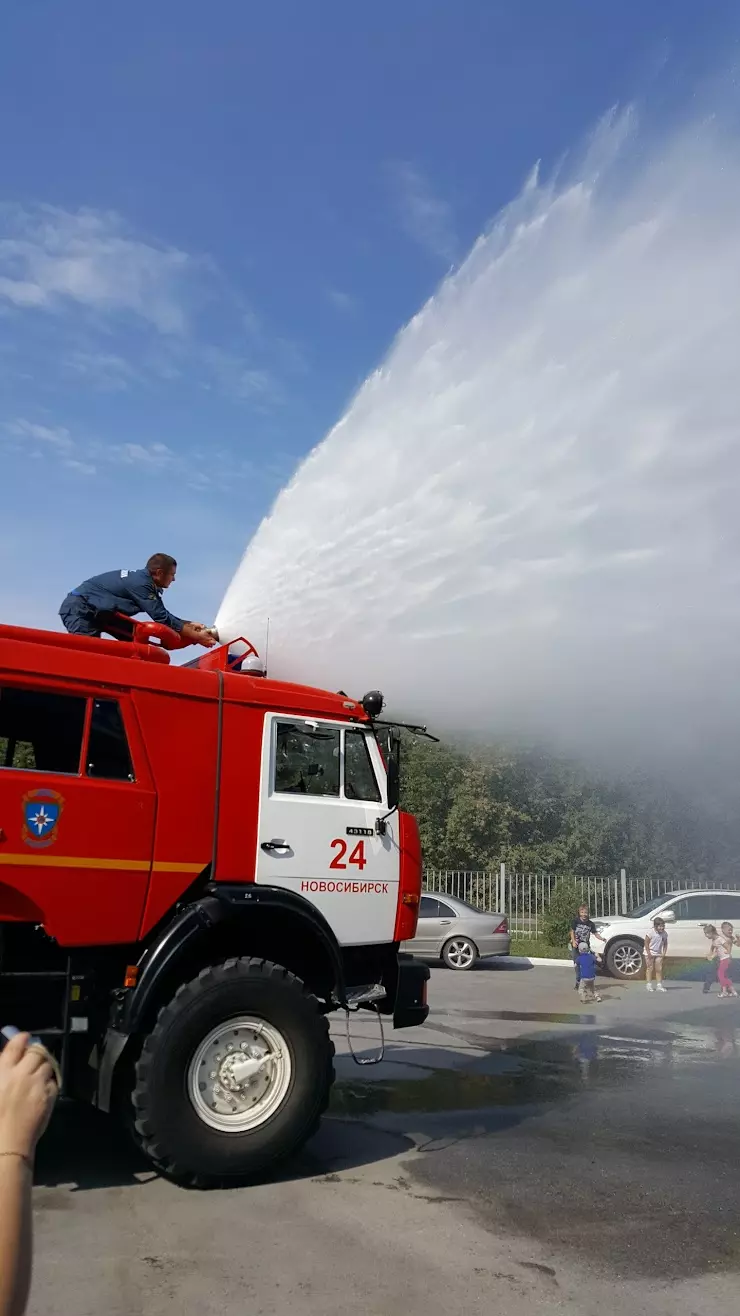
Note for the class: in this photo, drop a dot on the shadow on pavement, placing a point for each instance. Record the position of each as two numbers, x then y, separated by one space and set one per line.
84 1149
496 964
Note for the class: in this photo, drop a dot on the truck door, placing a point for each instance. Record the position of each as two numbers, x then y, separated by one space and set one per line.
323 788
76 816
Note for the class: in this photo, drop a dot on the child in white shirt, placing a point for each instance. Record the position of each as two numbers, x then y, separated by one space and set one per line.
656 949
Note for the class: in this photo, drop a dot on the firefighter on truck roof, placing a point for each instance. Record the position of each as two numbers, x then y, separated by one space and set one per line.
91 608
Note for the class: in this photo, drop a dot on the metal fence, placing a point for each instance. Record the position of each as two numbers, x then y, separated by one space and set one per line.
525 897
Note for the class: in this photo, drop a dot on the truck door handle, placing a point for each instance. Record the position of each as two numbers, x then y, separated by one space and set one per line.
275 844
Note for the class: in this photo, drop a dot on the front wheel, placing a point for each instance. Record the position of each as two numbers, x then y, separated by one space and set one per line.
234 1076
624 959
459 953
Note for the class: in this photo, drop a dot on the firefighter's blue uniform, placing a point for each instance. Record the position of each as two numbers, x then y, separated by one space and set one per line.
90 609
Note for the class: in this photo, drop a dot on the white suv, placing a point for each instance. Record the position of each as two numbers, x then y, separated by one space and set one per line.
685 913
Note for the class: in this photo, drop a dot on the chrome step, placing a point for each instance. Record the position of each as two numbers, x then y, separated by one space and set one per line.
366 995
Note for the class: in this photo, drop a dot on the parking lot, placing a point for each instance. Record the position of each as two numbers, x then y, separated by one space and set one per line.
519 1149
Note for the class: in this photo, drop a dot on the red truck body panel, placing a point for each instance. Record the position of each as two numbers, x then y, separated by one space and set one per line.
122 852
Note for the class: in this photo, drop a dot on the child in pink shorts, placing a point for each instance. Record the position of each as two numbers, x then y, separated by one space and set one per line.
722 949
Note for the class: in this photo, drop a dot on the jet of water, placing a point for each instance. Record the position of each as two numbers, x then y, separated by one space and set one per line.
527 522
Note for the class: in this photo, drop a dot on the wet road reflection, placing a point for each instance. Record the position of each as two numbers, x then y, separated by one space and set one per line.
618 1144
539 1070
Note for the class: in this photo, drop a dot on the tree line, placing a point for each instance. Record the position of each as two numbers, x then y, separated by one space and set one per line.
479 807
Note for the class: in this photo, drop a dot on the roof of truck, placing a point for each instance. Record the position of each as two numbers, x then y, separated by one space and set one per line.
62 658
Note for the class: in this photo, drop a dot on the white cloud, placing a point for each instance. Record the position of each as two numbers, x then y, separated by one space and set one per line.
158 454
240 378
86 456
425 216
85 275
82 468
211 469
49 257
41 441
256 384
57 435
107 371
251 322
342 301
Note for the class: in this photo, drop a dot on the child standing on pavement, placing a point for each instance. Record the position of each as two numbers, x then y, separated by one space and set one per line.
582 929
586 966
656 949
722 947
710 973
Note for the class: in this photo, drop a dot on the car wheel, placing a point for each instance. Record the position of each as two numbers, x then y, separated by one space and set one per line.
624 959
234 1076
459 953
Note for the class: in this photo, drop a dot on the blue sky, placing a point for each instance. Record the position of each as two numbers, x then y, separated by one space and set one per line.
214 218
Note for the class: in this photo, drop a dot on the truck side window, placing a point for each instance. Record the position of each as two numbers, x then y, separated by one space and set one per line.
40 730
108 753
359 778
306 759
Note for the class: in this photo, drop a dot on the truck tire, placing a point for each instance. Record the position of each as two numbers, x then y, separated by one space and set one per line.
624 959
234 1076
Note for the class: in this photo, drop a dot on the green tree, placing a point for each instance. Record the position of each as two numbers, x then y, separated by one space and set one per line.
561 911
480 821
22 755
428 776
539 813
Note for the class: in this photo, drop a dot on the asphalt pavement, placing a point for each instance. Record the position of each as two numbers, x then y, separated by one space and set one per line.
519 1150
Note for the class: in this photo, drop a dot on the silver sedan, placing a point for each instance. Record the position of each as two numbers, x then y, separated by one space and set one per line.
457 933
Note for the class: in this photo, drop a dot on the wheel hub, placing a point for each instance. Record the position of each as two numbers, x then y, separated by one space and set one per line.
627 960
460 953
239 1074
241 1069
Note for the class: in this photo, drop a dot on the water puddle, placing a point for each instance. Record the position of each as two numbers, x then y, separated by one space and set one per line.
535 1071
442 1090
536 1016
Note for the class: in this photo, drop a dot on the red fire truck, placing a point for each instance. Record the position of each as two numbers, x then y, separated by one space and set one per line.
197 865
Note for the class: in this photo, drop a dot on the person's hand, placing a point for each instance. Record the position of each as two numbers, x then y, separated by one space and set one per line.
197 633
28 1090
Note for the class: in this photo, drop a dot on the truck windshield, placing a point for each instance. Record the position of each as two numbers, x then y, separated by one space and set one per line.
306 759
359 777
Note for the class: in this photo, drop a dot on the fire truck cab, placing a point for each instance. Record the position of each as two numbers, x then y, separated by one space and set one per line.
197 865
